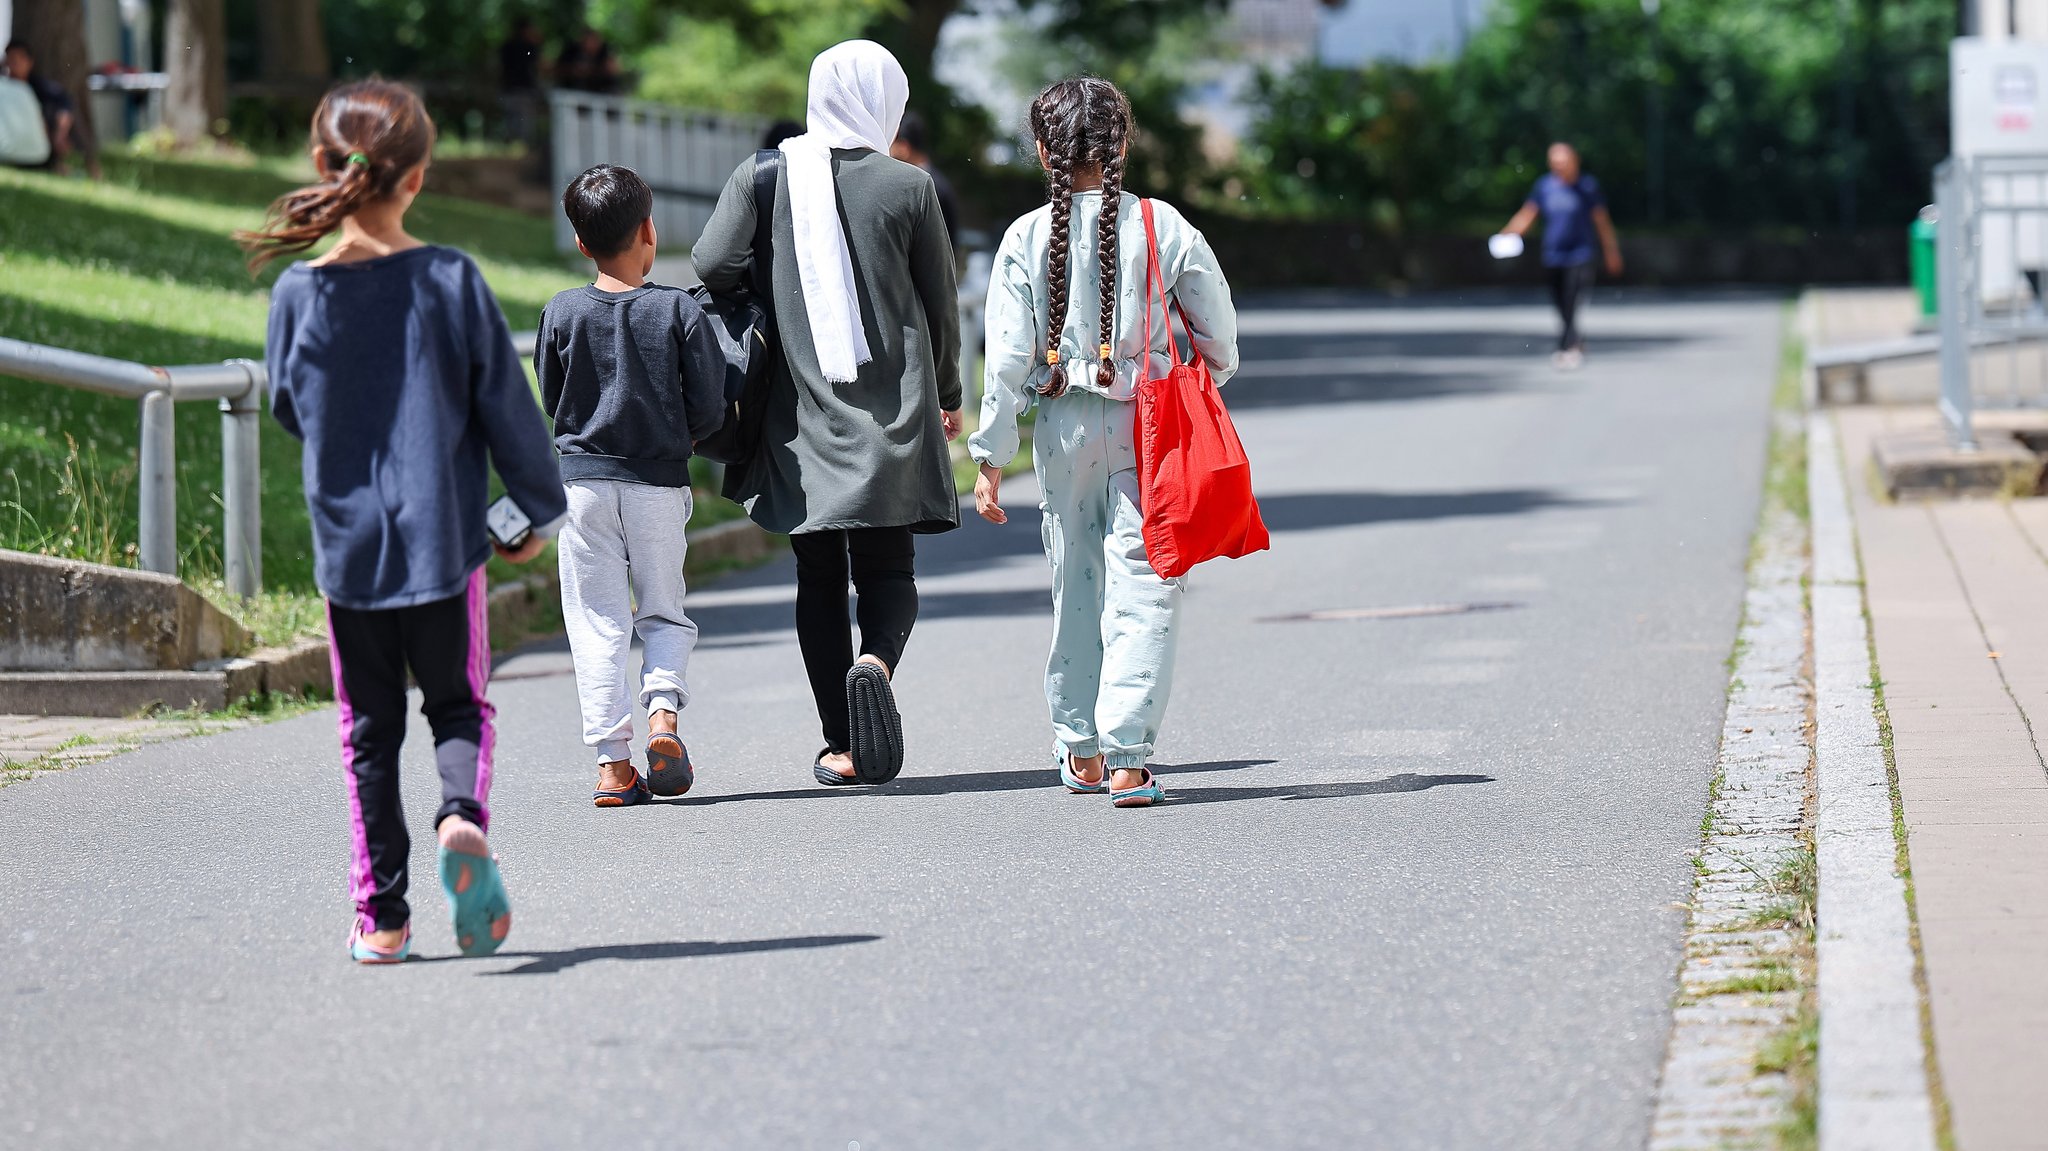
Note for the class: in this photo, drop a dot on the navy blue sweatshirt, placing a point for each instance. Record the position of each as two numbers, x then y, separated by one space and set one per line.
631 380
400 376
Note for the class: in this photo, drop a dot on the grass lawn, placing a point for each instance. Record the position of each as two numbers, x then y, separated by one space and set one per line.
141 267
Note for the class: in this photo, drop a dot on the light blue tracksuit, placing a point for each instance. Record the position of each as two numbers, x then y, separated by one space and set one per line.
1114 618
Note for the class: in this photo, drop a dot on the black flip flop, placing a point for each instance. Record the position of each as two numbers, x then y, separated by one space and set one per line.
827 776
874 724
669 774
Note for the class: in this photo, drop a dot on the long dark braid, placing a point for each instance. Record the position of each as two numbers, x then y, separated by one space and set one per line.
1109 156
1083 122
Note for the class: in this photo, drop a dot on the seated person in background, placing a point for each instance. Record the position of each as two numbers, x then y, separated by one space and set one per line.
23 141
61 123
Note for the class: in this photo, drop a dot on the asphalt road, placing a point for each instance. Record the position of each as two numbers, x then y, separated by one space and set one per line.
1416 887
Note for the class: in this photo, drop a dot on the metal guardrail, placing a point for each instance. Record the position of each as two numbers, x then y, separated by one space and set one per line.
238 386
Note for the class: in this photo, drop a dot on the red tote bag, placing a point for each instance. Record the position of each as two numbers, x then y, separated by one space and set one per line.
1193 476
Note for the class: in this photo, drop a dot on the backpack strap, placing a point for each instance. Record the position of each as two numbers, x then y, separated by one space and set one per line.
767 165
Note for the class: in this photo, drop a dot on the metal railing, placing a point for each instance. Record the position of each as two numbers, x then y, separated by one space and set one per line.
1992 253
685 156
236 384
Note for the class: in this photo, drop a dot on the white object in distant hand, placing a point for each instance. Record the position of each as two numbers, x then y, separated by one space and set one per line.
1504 245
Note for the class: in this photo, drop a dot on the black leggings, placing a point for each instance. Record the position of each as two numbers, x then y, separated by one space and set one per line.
446 645
1568 288
881 562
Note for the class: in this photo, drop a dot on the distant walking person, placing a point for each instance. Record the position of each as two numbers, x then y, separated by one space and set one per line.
519 67
1067 333
391 360
853 462
588 64
1575 219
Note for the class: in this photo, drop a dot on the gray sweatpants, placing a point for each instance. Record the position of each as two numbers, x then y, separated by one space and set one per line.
621 552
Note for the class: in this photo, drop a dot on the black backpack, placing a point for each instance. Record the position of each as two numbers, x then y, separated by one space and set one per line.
746 333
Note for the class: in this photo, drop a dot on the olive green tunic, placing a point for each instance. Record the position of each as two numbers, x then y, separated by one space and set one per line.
870 453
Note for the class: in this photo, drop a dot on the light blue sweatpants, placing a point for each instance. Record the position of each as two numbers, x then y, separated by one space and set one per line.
1113 616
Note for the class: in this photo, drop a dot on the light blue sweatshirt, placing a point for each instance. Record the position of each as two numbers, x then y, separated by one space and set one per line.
1018 309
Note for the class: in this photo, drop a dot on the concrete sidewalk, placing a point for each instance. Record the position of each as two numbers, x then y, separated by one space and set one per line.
1958 600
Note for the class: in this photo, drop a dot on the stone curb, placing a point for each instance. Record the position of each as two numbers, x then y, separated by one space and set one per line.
1711 1094
303 667
1873 1093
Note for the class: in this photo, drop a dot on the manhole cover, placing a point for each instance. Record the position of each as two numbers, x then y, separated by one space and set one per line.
1406 611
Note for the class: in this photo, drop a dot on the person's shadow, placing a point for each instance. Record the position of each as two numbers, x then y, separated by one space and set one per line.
554 962
1392 785
1031 779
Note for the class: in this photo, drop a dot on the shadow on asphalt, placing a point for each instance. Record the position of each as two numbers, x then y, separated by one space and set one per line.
551 962
1450 344
1307 511
1407 781
961 784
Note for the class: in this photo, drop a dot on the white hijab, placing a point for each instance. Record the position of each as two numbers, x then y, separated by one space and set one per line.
857 95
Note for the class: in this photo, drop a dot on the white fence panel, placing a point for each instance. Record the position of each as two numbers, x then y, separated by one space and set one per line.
685 156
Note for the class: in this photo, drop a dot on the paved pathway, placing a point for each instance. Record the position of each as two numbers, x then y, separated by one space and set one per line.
1956 594
1417 888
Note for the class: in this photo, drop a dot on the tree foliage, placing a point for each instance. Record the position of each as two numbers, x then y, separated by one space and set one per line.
1151 49
1756 130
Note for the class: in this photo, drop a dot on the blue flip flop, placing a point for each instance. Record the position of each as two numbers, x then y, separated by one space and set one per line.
1074 782
669 774
629 796
476 897
370 955
1144 795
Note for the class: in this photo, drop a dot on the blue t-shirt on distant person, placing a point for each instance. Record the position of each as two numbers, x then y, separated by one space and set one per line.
1568 236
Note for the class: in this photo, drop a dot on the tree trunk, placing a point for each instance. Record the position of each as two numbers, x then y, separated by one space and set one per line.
54 31
294 42
196 56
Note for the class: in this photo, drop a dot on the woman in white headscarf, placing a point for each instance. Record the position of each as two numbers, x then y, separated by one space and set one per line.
853 463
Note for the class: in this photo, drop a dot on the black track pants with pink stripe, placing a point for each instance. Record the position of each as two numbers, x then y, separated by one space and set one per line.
446 645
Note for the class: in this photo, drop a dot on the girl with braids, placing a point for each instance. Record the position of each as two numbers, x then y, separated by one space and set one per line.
1067 332
391 360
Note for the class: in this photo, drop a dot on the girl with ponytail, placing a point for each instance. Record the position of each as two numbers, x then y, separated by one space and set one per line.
1069 315
391 360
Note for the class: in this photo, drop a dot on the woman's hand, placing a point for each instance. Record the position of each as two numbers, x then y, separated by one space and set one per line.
987 486
525 552
951 422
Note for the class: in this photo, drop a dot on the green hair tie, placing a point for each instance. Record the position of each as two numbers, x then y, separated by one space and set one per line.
358 158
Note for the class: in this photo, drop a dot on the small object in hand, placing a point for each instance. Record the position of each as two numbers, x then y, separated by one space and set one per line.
508 526
1504 245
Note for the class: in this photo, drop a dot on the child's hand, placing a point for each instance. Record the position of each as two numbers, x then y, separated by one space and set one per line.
987 485
951 422
533 546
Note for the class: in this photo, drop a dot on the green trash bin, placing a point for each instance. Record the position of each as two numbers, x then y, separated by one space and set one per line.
1920 257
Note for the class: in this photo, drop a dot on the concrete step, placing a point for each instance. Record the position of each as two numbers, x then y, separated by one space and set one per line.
301 669
70 616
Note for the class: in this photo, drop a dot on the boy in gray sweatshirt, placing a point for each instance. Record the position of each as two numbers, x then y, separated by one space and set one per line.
632 375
